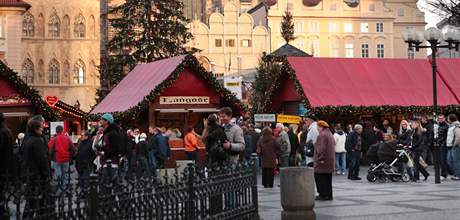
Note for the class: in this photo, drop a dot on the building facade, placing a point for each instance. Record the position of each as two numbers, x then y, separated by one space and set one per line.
231 43
202 9
60 49
348 28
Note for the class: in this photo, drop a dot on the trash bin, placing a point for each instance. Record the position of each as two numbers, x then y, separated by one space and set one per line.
297 193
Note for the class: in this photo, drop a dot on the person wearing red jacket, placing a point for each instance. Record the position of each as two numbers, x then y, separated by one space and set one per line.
61 151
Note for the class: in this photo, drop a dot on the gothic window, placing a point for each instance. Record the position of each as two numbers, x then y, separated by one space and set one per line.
28 25
79 27
79 73
54 26
28 71
53 72
66 27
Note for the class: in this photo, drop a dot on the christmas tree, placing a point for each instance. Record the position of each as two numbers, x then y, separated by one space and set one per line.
144 31
287 27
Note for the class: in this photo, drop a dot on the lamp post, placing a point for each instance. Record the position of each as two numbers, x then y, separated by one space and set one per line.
434 36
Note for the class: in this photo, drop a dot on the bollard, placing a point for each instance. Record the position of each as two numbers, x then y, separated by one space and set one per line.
297 193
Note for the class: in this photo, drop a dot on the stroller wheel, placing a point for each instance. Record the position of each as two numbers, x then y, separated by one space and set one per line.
405 177
371 177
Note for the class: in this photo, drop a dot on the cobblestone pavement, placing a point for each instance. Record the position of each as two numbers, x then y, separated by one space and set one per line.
360 200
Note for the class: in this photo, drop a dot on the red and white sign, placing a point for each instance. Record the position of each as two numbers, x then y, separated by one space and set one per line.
51 100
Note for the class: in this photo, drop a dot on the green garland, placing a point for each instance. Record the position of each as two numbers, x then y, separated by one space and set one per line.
29 93
347 110
191 62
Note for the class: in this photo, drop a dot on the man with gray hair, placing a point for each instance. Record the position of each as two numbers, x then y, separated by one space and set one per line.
282 138
353 145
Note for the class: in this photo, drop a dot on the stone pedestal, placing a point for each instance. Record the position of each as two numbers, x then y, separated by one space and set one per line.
297 193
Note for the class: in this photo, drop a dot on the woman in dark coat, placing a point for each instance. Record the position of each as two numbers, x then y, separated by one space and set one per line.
405 133
418 146
324 161
268 150
214 138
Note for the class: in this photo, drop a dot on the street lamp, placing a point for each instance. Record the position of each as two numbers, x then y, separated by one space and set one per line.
434 37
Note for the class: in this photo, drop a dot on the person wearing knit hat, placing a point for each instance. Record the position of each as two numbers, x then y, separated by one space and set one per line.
108 118
111 141
324 161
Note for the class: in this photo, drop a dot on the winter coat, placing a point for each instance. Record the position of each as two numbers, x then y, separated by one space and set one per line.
63 148
268 149
141 148
163 151
255 139
235 137
324 156
248 148
85 154
442 134
452 134
405 137
35 157
111 144
418 141
191 142
214 140
6 151
353 142
340 137
294 141
284 137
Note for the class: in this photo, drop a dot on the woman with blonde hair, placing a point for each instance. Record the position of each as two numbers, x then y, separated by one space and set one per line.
417 147
404 134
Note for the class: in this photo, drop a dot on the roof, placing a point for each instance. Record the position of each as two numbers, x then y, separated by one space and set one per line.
137 85
70 110
448 71
368 82
146 81
14 3
289 50
255 8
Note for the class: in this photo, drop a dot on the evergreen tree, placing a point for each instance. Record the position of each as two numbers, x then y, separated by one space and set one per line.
144 31
287 27
267 80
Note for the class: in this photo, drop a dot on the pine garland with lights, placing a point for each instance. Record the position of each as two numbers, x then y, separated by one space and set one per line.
145 31
191 62
29 93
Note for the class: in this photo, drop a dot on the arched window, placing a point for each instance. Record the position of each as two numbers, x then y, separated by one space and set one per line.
79 73
79 27
28 25
28 71
66 27
54 26
92 27
53 72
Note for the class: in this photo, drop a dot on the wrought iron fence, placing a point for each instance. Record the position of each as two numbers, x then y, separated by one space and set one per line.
221 192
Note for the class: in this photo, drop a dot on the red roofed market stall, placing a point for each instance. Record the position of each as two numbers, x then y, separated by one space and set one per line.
171 93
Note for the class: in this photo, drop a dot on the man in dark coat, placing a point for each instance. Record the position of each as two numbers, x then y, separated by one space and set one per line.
85 157
353 145
442 138
163 151
6 156
294 140
111 147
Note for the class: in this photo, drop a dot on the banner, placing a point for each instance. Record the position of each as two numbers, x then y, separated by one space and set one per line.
174 100
289 119
234 85
265 118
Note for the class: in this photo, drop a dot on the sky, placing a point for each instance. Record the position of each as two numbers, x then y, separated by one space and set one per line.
430 18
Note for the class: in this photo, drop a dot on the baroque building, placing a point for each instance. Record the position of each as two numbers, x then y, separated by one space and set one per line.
60 49
348 28
232 43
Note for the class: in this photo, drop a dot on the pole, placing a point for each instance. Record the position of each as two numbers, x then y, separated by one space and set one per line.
436 154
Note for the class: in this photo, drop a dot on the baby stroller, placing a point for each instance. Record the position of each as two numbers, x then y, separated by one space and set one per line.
388 162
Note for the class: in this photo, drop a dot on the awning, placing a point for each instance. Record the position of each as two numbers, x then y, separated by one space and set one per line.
449 71
368 82
137 85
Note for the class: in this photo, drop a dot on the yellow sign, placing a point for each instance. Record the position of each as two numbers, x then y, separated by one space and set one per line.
289 119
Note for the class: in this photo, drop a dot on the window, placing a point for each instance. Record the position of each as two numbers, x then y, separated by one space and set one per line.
314 26
246 43
380 51
230 43
53 72
79 73
349 50
348 27
401 12
315 48
299 44
334 48
371 7
28 71
379 27
333 7
79 27
298 27
365 50
28 25
364 27
218 42
333 27
54 26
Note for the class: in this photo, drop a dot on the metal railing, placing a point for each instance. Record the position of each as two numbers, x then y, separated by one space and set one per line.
217 192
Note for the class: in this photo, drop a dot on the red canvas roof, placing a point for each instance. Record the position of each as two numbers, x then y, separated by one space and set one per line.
14 3
137 84
368 82
449 70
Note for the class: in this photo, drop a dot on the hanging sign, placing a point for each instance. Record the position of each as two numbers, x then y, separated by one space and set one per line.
265 118
289 119
175 100
234 85
51 100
